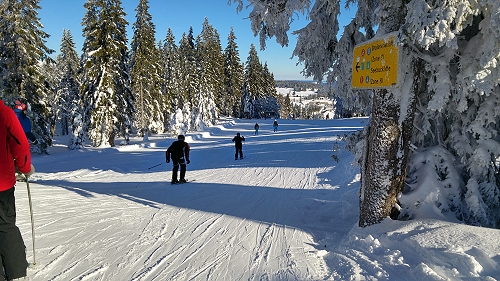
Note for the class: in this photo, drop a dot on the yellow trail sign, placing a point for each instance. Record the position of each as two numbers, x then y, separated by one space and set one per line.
375 64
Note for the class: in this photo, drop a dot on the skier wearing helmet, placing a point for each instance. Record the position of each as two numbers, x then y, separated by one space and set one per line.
178 151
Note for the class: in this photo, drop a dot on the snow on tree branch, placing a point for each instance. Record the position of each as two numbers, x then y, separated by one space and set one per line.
273 18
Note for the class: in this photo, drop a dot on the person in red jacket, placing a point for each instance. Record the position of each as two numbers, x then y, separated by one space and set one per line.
14 155
178 151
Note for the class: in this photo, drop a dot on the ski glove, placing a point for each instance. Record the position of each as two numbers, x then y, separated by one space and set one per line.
31 172
187 161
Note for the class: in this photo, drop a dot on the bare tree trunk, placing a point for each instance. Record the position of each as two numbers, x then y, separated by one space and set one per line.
381 182
383 176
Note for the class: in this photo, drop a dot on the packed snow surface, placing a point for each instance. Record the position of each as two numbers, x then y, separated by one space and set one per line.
287 211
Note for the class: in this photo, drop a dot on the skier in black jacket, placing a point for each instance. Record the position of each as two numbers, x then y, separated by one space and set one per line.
178 151
239 145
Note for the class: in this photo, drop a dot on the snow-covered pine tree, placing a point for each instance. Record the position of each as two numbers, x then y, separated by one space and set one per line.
66 99
285 105
269 83
233 79
189 77
83 107
124 99
190 67
145 73
22 49
179 122
211 64
107 84
259 88
254 89
459 109
451 53
49 70
171 80
272 105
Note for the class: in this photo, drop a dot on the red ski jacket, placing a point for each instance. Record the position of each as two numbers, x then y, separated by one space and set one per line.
14 146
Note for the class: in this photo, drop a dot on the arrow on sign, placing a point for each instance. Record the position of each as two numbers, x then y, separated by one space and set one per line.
357 66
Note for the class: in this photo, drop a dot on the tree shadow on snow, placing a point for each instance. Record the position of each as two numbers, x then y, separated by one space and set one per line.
317 211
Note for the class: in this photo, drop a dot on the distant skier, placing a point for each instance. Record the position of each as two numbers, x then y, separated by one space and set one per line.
275 125
20 110
238 143
178 151
256 127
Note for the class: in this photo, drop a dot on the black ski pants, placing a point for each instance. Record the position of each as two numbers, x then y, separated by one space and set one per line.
239 150
12 249
178 162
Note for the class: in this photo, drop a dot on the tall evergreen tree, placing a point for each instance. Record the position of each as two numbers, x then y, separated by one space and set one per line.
50 73
124 98
81 116
233 78
270 95
253 90
107 84
145 72
268 80
171 78
67 99
210 57
22 48
189 78
187 93
285 105
211 70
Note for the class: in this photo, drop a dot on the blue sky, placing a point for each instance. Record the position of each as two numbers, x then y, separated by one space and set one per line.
56 15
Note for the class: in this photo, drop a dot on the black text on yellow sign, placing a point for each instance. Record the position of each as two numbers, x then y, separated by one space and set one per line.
375 64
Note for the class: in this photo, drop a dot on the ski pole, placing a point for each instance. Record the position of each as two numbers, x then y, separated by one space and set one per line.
32 221
155 165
